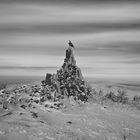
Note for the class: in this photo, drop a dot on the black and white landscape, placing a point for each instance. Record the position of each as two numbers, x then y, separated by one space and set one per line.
69 70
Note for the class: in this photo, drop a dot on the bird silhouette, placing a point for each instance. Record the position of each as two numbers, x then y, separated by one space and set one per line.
70 44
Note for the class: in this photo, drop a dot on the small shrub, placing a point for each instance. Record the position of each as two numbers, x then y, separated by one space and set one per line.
136 99
122 97
136 102
94 92
111 96
100 92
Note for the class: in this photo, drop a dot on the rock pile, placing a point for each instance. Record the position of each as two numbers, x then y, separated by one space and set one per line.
27 96
68 81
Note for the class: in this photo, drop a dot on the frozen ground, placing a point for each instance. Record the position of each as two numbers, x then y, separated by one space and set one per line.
90 121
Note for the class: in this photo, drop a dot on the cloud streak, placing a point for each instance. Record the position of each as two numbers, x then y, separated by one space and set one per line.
71 28
106 35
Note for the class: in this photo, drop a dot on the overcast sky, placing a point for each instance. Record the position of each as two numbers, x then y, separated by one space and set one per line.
106 35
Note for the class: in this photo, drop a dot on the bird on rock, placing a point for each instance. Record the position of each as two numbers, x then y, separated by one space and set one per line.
70 44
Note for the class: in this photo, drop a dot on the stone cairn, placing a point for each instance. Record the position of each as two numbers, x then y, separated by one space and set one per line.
68 81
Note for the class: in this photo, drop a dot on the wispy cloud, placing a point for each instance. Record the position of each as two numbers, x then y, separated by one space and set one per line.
106 35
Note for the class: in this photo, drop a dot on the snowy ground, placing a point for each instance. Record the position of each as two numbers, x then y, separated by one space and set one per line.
90 121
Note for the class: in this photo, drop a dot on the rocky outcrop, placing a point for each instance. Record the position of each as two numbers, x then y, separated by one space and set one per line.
68 81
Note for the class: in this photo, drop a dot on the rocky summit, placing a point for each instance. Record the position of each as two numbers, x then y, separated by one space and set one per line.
67 82
64 107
